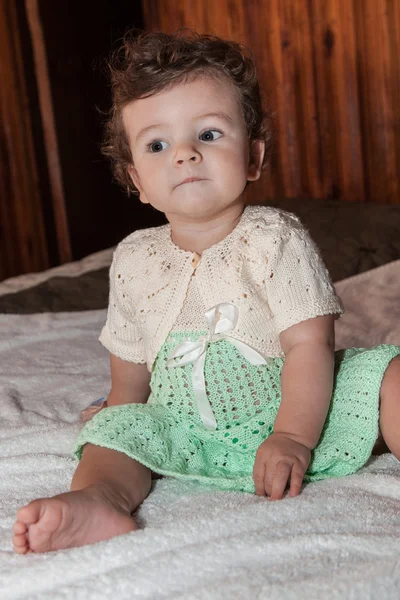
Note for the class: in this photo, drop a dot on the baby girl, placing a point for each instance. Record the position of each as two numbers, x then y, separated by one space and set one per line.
220 324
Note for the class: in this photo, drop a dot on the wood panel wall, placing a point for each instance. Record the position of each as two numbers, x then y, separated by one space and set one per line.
330 70
58 201
22 234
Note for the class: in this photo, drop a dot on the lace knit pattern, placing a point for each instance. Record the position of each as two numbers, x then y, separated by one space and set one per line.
192 316
168 436
268 267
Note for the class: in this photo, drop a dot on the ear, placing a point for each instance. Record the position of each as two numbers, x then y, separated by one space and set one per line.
257 150
135 178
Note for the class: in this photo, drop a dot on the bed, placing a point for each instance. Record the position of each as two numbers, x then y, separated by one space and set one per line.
339 539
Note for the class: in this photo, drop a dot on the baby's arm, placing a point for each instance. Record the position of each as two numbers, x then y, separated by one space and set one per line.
130 382
306 382
307 379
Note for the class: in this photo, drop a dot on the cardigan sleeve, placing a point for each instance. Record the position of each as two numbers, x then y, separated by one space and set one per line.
121 334
298 283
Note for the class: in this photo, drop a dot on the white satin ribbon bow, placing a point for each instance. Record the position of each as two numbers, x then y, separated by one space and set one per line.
221 319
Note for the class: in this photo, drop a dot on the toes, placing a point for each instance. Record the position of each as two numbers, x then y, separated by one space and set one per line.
22 550
26 516
20 540
30 513
20 543
19 527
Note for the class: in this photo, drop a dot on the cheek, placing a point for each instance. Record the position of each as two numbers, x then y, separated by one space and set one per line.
150 171
235 163
236 152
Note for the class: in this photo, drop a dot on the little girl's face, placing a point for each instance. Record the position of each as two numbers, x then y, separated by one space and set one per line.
190 149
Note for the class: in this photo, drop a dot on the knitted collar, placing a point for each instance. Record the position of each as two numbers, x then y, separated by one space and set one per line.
228 241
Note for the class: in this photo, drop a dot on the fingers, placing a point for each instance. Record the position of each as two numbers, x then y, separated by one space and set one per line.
272 480
259 477
280 459
296 480
280 478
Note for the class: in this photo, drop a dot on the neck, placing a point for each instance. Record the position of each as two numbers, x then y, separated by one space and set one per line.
200 235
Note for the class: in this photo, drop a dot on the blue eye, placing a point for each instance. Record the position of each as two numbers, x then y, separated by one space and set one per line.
157 146
210 135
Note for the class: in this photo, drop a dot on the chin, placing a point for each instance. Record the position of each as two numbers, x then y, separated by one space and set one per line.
200 204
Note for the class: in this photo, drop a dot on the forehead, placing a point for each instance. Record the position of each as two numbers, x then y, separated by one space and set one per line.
186 100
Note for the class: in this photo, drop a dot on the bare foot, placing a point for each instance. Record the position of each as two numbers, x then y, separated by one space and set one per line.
72 519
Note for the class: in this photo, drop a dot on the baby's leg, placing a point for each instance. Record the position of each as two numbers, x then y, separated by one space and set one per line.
389 419
106 488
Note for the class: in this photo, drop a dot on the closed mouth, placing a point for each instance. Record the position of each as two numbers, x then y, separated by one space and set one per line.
190 180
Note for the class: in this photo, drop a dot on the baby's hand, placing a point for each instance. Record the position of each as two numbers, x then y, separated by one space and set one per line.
278 460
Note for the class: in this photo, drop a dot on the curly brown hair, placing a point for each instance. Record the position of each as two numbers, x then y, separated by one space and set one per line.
147 63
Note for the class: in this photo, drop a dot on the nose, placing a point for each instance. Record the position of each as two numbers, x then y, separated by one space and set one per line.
187 153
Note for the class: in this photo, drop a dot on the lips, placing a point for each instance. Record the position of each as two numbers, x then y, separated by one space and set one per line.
190 180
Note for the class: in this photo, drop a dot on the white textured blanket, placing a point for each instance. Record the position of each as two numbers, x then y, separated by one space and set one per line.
339 539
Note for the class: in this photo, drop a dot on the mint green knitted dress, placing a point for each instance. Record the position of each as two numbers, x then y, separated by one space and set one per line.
168 436
268 264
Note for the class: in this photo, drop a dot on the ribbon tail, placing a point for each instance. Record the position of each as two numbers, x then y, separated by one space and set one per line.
199 388
187 352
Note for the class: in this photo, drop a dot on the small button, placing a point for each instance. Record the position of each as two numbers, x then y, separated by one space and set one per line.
195 259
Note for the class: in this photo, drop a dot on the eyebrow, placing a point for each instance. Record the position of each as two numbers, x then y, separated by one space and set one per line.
219 115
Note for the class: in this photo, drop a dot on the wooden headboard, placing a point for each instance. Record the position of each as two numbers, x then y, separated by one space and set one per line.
330 70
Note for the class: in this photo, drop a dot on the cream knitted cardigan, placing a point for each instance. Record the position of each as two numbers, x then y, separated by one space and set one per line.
268 267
